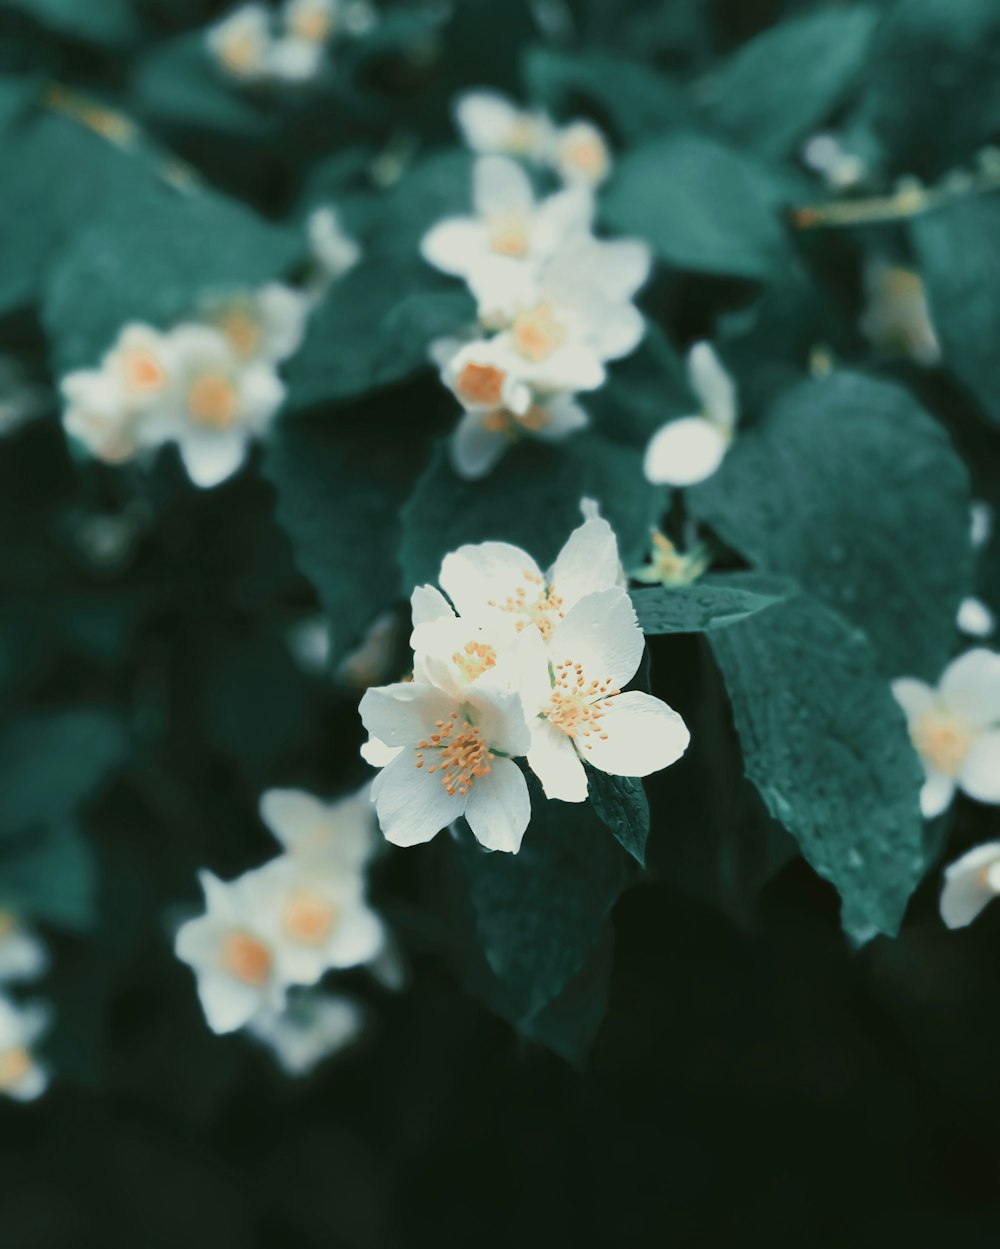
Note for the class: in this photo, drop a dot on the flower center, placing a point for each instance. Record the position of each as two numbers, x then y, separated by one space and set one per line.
509 237
242 329
309 917
15 1064
461 754
537 333
8 923
481 384
942 739
542 611
589 155
142 372
523 136
211 401
474 659
240 51
577 706
246 958
313 25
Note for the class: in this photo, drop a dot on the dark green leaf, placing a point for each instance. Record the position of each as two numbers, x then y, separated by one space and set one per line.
109 23
50 874
850 487
827 747
712 602
620 802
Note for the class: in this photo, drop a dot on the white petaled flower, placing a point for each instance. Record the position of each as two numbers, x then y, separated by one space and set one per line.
312 1028
23 955
313 21
970 884
215 404
449 755
232 956
839 169
241 42
312 912
95 413
334 251
975 619
574 689
580 153
896 319
670 566
22 1076
340 833
691 448
139 363
266 324
956 729
491 123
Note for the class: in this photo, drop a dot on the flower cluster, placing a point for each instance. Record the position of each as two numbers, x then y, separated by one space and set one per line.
23 957
515 662
210 385
260 48
268 937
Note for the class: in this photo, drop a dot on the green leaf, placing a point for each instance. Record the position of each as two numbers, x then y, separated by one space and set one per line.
778 88
156 265
702 206
958 250
851 488
50 764
531 499
827 747
109 23
438 187
634 98
620 802
373 330
50 874
712 602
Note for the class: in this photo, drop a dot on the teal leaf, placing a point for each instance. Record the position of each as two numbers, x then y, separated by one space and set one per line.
827 747
110 24
50 874
880 502
712 602
620 802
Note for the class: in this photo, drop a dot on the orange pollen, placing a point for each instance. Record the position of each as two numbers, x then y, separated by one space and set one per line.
510 239
577 705
314 26
242 329
942 739
522 136
246 958
461 755
481 384
211 401
240 51
142 371
587 155
537 334
474 659
534 419
14 1066
309 917
542 610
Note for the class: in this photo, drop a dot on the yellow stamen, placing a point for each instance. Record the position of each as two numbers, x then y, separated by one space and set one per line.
474 659
481 384
942 739
142 372
309 917
15 1064
578 706
460 753
242 329
536 601
212 401
537 333
315 25
588 154
246 958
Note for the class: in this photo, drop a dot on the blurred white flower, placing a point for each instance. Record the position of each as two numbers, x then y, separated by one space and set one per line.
690 449
669 566
313 1026
23 955
839 169
22 1076
970 883
581 155
370 662
491 123
291 60
980 523
313 21
341 834
231 954
896 319
309 643
956 729
95 413
267 324
975 619
333 250
241 42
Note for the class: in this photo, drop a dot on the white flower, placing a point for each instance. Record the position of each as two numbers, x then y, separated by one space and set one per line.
23 955
313 21
95 413
582 715
313 1027
670 566
232 955
334 251
265 324
840 169
970 883
975 619
214 405
581 155
22 1077
490 123
341 833
241 42
896 319
690 449
312 913
956 729
450 757
510 231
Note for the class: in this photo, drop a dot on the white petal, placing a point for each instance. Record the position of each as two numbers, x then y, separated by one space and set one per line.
501 286
588 562
498 807
643 736
975 619
684 452
427 603
23 956
967 888
474 449
554 760
357 938
915 697
500 188
412 803
262 392
289 813
560 217
936 794
377 753
620 331
210 459
485 119
476 575
455 245
572 367
398 715
227 1004
970 687
565 417
713 386
980 773
601 634
498 713
619 266
284 313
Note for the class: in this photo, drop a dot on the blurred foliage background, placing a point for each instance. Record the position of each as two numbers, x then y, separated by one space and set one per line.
755 1081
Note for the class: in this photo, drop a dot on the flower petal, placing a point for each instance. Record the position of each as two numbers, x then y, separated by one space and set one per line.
398 715
967 888
412 804
588 562
980 773
915 697
227 1004
501 188
601 634
643 736
554 760
684 452
291 814
474 449
713 386
455 245
478 574
357 938
498 807
565 417
936 793
210 459
427 603
970 687
486 119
